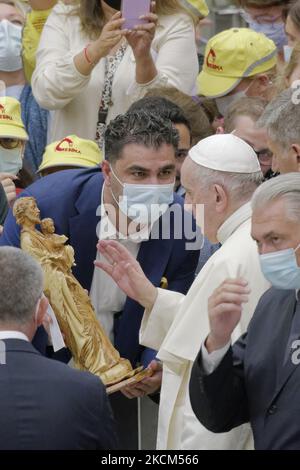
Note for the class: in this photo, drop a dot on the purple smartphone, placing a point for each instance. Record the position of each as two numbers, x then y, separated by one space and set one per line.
132 10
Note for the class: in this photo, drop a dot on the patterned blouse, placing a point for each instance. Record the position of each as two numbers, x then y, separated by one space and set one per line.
111 65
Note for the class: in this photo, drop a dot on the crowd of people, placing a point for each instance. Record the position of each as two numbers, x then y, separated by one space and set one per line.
178 186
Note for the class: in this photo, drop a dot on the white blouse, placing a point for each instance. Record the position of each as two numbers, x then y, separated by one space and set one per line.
58 85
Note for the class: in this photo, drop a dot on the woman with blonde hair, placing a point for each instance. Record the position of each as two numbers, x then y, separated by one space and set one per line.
291 72
89 69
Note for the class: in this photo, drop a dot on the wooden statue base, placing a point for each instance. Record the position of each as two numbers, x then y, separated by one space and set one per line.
137 376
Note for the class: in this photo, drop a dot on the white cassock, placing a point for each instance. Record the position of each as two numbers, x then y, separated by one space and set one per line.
178 324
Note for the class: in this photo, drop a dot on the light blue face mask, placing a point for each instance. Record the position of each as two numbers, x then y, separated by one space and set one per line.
274 31
10 46
11 160
281 269
144 203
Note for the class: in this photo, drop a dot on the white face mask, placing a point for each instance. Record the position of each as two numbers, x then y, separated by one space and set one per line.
10 46
144 203
11 160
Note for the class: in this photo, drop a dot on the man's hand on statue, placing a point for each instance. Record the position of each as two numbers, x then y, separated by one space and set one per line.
225 307
147 386
127 273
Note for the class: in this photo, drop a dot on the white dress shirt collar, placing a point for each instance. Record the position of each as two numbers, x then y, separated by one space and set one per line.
233 222
7 334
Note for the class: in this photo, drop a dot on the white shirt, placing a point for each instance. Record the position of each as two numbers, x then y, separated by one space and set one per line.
107 298
75 98
13 335
210 361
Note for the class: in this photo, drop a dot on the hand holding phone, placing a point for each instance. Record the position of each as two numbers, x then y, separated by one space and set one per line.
132 10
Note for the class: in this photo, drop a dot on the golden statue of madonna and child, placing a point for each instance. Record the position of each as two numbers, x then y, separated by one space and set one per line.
90 347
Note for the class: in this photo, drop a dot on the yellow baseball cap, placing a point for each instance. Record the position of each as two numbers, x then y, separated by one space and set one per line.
232 55
71 151
197 6
11 124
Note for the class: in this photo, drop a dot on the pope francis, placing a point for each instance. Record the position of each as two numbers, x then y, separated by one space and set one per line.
221 173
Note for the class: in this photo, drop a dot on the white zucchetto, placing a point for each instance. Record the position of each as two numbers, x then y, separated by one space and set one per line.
225 152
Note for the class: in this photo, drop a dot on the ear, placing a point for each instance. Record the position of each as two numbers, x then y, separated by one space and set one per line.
42 310
259 85
264 80
296 154
106 172
296 149
221 199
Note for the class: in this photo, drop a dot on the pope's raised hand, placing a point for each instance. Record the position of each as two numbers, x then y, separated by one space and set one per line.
225 310
126 272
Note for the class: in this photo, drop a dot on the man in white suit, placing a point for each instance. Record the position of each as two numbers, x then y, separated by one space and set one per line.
221 173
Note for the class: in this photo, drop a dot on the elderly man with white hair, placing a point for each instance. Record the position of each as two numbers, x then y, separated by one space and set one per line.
221 173
260 372
282 122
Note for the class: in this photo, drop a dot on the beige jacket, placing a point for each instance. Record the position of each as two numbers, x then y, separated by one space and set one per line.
57 85
178 325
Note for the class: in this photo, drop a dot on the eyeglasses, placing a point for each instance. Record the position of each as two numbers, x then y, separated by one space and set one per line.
9 144
264 156
260 19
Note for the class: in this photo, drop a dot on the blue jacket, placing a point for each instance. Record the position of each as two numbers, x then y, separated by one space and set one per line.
36 123
71 199
46 405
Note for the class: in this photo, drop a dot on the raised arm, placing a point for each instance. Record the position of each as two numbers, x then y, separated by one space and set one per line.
217 392
127 273
60 75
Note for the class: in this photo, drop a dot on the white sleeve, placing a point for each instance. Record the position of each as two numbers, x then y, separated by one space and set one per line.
157 322
211 361
176 59
56 80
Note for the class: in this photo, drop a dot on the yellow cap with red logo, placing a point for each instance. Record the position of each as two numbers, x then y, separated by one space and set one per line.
11 124
232 55
71 151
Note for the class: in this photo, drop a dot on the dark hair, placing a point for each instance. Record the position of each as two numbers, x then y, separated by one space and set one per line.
190 107
141 128
163 108
25 177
